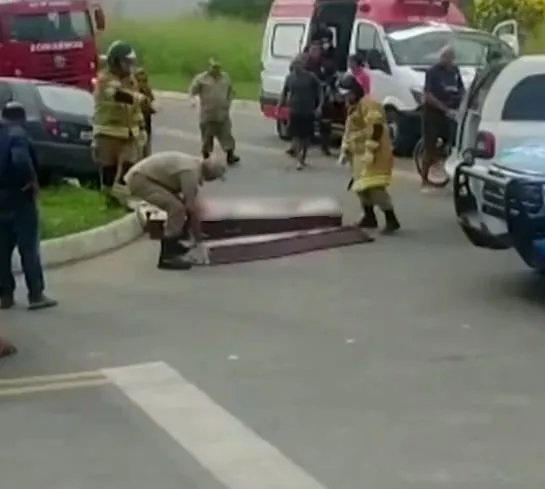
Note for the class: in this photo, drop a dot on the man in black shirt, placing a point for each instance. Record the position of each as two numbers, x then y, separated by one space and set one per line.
302 94
443 92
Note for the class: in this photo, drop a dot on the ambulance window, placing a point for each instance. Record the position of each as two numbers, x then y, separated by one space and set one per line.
367 37
287 40
521 103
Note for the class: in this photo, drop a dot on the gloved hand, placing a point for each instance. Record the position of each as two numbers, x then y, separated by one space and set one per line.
201 255
343 159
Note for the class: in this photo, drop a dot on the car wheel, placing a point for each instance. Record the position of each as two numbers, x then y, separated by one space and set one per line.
402 142
283 130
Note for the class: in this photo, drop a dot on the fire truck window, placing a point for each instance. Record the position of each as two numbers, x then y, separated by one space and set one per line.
50 27
525 102
287 40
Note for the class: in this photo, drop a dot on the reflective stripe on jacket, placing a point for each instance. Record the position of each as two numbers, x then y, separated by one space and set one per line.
112 118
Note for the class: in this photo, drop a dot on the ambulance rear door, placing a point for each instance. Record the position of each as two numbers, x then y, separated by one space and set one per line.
282 41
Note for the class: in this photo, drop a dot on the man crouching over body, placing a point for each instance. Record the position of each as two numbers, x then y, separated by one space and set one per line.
366 145
171 181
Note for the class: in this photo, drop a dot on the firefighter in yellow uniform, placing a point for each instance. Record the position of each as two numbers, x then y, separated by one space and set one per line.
148 108
118 122
367 147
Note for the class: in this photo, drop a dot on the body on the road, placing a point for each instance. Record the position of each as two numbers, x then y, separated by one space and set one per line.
302 94
443 92
171 181
215 91
118 123
18 211
366 145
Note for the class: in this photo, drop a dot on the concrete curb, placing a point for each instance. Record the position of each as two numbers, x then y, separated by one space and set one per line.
87 244
237 104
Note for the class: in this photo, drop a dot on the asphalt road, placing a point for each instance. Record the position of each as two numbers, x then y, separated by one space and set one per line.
415 362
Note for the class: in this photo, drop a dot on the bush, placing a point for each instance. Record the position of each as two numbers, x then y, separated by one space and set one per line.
529 13
183 47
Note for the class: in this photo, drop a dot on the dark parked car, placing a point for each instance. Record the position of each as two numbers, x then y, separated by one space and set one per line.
59 123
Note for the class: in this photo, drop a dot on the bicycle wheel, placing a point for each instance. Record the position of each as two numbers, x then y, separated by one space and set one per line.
437 176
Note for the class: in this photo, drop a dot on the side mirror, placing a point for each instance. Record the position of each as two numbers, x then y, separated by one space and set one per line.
485 147
100 20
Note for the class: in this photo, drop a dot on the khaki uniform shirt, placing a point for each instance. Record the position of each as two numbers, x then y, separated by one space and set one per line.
215 95
171 170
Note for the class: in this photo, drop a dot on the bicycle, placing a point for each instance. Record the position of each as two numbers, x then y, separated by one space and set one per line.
437 175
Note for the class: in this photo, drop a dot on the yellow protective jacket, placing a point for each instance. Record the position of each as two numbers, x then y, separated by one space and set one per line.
114 119
367 171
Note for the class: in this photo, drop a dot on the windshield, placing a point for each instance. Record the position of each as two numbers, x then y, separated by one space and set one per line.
471 48
51 26
66 99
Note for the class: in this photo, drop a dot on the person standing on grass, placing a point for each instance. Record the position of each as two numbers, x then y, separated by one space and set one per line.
303 95
214 90
148 108
19 211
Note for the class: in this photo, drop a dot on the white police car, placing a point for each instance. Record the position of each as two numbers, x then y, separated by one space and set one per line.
502 205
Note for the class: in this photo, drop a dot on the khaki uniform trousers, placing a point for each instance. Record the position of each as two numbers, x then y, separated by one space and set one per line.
220 130
376 196
155 194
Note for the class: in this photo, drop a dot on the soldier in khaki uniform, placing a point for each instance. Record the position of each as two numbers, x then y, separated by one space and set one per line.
213 88
148 109
118 122
171 181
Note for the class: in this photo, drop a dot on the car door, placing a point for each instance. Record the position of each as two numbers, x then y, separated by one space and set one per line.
282 41
366 39
520 114
508 32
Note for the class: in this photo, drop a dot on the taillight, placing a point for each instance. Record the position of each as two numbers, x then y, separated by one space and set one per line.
486 145
51 125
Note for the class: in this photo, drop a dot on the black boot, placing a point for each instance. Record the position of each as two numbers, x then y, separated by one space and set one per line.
205 155
232 158
171 256
392 224
369 219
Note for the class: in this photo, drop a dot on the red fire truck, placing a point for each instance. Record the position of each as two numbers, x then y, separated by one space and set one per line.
53 40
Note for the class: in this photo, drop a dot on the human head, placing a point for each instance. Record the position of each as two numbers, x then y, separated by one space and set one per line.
447 55
315 50
354 61
121 58
214 67
350 89
14 112
299 63
212 169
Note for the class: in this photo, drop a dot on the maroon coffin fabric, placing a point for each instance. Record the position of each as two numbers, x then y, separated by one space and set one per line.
239 251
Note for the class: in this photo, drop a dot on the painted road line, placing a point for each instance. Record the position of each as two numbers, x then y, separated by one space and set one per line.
232 452
52 387
48 379
411 176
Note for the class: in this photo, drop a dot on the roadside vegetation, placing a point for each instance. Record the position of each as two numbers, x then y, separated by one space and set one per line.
175 50
66 209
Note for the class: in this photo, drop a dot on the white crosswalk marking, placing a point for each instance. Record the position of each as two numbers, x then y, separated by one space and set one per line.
232 452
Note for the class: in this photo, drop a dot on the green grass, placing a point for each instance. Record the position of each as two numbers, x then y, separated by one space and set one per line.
173 51
244 90
66 210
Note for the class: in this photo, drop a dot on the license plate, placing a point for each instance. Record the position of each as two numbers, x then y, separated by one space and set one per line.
86 135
